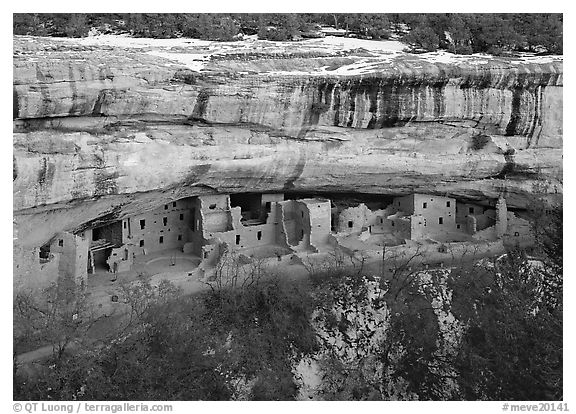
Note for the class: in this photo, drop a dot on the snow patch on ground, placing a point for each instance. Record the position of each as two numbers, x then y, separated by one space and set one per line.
371 55
538 59
194 61
445 57
136 42
328 42
360 67
348 43
483 59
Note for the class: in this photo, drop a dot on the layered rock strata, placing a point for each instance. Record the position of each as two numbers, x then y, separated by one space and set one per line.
104 132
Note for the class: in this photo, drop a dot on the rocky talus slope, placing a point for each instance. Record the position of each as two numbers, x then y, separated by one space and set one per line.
102 131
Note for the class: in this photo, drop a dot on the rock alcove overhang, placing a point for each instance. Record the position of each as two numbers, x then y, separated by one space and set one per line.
102 133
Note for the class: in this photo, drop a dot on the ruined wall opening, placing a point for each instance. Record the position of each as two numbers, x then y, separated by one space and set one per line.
112 233
253 212
342 201
292 222
44 253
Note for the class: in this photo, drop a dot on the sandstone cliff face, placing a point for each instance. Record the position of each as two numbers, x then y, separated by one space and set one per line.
102 132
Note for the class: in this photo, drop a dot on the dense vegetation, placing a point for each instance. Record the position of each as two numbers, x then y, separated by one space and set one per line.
186 348
482 331
495 33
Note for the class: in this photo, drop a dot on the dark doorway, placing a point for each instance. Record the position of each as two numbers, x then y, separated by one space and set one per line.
45 253
100 257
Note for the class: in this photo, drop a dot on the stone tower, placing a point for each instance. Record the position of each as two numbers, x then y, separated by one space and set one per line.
501 217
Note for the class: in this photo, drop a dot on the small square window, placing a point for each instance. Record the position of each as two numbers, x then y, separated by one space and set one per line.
141 243
161 240
471 210
181 216
61 243
447 203
166 207
350 224
212 206
457 226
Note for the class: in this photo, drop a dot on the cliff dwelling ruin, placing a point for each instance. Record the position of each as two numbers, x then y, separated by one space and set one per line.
260 226
287 206
152 164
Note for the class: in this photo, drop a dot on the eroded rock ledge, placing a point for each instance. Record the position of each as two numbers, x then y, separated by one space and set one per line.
102 132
